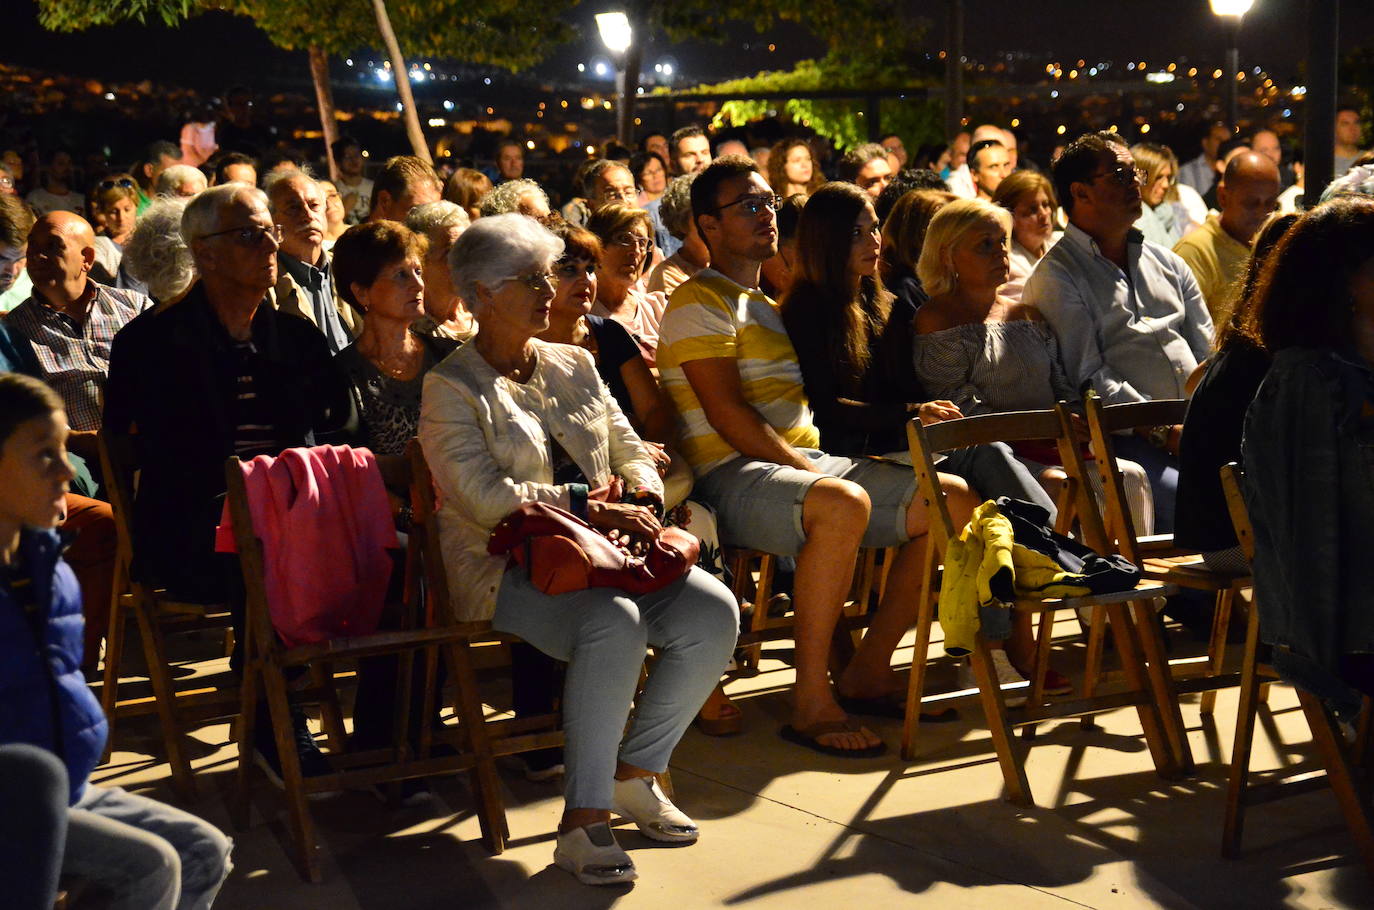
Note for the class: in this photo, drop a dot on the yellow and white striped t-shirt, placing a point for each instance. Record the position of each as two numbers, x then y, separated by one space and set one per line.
711 316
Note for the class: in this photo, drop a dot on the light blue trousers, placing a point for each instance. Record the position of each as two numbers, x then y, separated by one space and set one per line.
152 856
602 634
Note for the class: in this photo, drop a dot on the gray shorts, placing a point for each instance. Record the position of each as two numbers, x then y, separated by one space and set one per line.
759 503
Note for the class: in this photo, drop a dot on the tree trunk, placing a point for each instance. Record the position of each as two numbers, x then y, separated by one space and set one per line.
628 84
401 76
324 100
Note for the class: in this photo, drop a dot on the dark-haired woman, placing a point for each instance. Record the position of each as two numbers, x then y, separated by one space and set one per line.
378 269
1309 473
859 380
1216 417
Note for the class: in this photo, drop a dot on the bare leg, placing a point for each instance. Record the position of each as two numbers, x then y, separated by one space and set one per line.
834 516
870 673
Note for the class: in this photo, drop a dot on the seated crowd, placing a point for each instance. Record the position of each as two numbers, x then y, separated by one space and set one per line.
731 348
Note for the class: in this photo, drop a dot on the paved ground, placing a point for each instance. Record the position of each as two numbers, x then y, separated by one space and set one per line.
783 827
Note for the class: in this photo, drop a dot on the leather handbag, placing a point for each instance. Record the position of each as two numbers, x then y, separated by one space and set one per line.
563 553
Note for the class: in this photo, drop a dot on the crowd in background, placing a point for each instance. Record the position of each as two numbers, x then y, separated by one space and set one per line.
731 339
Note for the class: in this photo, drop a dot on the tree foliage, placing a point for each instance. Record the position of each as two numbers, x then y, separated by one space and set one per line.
506 33
872 47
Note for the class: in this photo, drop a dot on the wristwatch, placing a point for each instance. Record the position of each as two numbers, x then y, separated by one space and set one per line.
1159 436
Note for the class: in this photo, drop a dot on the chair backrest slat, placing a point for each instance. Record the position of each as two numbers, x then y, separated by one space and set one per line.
1014 426
1231 478
118 465
425 526
1103 422
1161 412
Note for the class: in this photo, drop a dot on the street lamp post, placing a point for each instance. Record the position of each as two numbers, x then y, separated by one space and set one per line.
1231 12
618 37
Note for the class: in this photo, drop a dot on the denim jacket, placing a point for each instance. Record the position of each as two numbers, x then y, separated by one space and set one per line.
1309 486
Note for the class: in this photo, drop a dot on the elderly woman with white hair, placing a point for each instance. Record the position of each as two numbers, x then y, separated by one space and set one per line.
156 254
180 180
522 196
446 316
509 420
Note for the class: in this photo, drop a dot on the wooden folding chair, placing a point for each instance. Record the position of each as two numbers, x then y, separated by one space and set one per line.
1157 556
157 616
1149 688
1339 761
487 740
267 661
753 588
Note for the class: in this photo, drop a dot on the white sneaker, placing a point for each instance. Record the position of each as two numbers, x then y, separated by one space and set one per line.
641 800
1006 675
593 856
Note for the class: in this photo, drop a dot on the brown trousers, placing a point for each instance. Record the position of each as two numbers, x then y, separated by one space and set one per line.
90 524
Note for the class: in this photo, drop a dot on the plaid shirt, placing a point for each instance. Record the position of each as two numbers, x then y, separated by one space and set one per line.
75 359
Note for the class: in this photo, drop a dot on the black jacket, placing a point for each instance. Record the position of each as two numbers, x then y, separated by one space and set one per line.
172 383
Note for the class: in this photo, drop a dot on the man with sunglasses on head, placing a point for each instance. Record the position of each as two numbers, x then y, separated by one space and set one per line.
1129 315
746 427
221 373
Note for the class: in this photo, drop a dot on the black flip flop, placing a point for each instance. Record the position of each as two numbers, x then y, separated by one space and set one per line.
809 737
893 707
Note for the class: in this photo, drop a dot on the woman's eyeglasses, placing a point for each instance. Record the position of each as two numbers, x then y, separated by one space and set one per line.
111 183
631 241
536 281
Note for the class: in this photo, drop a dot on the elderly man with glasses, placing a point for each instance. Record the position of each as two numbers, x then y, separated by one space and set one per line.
1129 315
221 373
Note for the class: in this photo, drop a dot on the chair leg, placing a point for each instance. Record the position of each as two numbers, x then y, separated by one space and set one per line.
164 695
1239 777
1009 753
114 654
331 715
486 786
1092 671
920 658
1216 645
241 807
1139 643
1341 777
300 824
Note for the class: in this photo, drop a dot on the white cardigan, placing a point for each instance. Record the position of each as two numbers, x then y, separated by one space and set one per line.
486 439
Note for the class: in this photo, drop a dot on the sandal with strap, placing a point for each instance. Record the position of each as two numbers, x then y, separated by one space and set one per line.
810 738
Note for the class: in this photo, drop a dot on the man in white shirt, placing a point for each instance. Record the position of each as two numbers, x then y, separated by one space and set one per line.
988 164
353 186
1128 314
1200 173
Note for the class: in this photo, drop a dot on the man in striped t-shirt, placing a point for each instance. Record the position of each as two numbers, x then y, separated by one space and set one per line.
726 360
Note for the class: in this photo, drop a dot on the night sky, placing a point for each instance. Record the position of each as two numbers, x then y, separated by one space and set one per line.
212 49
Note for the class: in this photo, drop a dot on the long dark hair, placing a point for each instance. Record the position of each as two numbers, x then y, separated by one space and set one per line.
1303 297
822 291
1231 329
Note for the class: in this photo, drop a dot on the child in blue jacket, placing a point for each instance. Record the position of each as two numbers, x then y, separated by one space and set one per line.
145 854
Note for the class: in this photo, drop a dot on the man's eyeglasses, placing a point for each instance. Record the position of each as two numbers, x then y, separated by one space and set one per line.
110 183
1124 175
753 205
536 281
248 236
